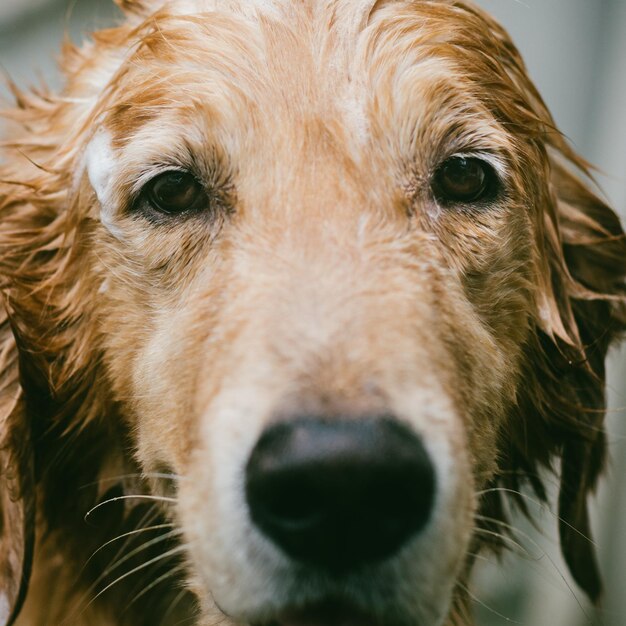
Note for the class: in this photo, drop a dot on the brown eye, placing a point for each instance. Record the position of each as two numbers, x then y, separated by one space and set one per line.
464 180
175 192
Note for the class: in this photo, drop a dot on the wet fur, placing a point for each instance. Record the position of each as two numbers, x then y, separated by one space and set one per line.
553 301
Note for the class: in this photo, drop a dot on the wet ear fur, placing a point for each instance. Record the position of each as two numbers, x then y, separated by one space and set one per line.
592 260
582 310
17 492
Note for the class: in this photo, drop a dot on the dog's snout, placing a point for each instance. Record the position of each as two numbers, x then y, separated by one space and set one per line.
340 493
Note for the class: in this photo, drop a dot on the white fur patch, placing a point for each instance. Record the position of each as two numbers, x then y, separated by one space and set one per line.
100 164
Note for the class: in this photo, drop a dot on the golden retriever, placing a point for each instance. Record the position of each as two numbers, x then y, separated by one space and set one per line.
296 297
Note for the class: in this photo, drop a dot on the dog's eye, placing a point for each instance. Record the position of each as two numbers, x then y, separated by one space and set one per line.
464 180
175 192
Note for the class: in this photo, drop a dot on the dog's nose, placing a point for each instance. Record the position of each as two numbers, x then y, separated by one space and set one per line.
340 493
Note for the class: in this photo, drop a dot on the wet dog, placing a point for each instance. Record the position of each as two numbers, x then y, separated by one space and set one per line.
296 295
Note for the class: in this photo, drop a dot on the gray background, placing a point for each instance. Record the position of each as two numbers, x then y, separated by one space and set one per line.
576 52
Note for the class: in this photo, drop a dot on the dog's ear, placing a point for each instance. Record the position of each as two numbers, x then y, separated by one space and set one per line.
580 308
17 498
583 310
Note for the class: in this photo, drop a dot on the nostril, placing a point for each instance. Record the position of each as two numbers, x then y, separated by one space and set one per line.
283 498
339 493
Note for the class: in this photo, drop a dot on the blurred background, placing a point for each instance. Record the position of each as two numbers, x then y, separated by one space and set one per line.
576 53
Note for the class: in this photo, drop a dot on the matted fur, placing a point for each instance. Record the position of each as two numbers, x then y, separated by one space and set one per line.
315 122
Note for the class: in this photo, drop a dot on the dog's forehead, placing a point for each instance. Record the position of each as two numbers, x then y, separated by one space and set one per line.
301 57
294 79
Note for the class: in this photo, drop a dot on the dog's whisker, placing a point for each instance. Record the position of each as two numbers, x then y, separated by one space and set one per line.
165 476
174 605
119 560
174 551
504 538
481 557
124 535
139 475
543 554
141 548
541 505
149 516
169 574
151 497
152 514
506 526
485 605
193 618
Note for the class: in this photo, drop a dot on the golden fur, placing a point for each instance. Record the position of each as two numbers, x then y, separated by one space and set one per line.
143 359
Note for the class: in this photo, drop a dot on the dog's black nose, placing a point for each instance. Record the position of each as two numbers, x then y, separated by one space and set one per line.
340 493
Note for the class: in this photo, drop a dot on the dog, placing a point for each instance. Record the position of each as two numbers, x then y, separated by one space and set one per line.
297 298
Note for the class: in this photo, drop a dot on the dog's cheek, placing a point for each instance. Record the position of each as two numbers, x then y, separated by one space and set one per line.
487 371
163 385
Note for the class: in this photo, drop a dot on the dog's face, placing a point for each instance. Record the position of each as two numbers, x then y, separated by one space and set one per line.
318 266
309 225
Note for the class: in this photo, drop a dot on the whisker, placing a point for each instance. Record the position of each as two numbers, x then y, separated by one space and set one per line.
130 497
507 526
148 517
114 479
540 505
480 557
135 551
128 534
169 574
151 515
518 546
172 607
486 606
165 476
192 618
119 579
557 569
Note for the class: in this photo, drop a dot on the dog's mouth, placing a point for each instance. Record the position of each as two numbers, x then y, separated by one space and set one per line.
323 614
